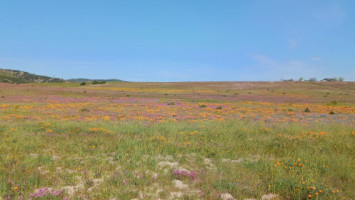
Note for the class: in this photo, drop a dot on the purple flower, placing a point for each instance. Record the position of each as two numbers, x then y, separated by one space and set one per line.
46 192
183 173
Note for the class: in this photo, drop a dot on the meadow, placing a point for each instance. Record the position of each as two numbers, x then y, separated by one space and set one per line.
210 140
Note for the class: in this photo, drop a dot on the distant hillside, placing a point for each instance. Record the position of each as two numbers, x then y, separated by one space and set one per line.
78 80
16 76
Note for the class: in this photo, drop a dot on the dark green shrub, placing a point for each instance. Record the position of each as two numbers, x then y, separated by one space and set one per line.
333 103
95 82
84 110
307 110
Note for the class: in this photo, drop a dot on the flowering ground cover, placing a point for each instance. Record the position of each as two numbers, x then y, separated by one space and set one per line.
212 140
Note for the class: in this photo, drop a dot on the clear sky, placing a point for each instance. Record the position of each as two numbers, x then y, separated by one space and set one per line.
180 40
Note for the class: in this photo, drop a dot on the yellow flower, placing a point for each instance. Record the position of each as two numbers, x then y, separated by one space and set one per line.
15 188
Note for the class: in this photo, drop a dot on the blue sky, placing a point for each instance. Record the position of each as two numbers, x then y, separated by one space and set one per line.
180 40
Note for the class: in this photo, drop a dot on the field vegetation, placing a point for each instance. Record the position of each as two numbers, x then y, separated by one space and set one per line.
211 140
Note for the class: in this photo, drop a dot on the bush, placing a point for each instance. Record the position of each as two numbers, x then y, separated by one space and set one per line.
95 82
84 110
171 104
83 83
202 106
307 110
312 79
333 103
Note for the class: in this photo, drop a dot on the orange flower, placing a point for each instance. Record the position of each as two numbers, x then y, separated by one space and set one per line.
316 193
313 188
309 196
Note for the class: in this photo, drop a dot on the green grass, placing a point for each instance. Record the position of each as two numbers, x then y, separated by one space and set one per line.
247 159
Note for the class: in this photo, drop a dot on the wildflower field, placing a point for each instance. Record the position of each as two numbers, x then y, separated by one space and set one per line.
211 140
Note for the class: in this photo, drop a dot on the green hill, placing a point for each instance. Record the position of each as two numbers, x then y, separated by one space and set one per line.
16 76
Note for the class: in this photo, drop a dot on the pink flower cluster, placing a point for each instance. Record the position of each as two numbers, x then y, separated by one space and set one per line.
46 192
184 173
